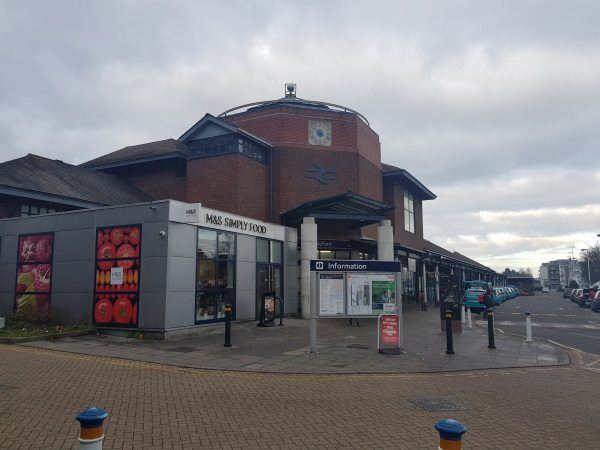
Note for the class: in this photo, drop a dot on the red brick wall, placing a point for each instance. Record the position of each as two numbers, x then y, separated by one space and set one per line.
159 179
393 195
231 183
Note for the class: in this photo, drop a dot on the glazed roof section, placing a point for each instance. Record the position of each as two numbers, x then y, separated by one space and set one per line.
52 180
387 170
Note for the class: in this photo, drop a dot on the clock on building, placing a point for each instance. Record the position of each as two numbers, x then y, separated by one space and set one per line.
319 132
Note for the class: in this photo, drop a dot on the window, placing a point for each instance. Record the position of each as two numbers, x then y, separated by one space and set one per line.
409 212
215 274
28 209
227 144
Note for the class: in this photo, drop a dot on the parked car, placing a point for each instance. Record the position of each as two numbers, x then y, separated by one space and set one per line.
474 298
545 290
575 294
595 305
567 293
497 296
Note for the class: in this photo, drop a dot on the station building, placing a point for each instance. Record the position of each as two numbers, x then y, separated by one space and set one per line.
270 163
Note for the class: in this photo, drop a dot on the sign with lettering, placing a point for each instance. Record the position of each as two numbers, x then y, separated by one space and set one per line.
116 275
388 333
196 214
343 265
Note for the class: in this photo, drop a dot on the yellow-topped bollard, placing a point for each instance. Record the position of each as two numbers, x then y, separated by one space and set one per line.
451 432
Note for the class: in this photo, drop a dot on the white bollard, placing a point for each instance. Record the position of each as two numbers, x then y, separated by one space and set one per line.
528 327
462 314
469 322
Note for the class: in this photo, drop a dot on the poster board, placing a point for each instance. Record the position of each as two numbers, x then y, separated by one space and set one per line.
331 297
370 294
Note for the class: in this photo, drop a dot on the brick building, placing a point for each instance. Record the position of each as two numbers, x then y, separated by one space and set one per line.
274 161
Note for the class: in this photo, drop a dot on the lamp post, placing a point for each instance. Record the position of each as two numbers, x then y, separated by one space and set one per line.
588 264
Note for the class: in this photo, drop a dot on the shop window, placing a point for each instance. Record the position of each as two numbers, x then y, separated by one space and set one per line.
28 209
262 251
215 274
409 212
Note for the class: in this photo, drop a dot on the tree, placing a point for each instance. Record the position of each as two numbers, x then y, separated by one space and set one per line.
593 254
573 284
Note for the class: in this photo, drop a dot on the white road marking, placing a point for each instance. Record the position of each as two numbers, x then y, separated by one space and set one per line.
500 330
543 324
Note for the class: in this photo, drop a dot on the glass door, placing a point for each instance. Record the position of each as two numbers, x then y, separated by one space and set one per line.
269 271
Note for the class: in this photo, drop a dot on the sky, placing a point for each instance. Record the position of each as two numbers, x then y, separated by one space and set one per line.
495 106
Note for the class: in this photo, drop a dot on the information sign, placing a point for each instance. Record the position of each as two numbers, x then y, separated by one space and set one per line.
371 294
331 294
340 265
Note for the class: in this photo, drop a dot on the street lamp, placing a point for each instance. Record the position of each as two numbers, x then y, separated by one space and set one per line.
588 264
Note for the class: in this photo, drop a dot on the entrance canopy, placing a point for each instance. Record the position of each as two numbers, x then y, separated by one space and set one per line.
354 210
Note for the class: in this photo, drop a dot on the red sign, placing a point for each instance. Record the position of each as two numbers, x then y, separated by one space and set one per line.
389 330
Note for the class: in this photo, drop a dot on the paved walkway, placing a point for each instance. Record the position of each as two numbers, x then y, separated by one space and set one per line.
154 406
341 348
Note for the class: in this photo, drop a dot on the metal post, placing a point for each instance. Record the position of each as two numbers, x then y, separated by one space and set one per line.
451 433
462 313
280 311
227 310
449 343
589 277
528 327
313 313
490 317
469 321
91 434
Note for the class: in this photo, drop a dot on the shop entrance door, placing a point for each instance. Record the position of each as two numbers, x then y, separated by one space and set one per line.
268 279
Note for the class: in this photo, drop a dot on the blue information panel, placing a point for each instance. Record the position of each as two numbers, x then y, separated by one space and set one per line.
342 265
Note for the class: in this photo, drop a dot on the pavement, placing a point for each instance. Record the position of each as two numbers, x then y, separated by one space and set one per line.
553 318
155 406
342 348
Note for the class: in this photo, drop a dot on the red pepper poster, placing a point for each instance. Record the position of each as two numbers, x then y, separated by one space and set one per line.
116 294
389 330
34 275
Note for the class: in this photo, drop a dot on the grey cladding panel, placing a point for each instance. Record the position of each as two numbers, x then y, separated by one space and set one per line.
245 276
153 275
152 243
152 310
9 249
181 275
8 273
73 276
246 248
245 303
28 225
180 309
75 245
76 220
182 240
75 307
132 214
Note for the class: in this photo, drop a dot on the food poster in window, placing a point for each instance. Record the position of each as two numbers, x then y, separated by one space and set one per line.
116 294
34 275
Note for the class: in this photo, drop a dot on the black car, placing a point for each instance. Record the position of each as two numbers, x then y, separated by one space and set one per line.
575 295
567 292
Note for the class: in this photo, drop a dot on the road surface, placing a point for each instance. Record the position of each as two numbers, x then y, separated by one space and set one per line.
553 318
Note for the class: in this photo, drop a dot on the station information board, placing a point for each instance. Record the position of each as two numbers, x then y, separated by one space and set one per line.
348 288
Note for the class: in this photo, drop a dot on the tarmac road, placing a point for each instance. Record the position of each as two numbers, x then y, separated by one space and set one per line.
552 318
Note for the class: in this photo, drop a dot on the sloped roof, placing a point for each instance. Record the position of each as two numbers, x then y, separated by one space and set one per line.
387 170
53 178
167 148
430 246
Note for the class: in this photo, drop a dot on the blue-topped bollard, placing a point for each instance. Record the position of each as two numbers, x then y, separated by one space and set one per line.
91 435
451 432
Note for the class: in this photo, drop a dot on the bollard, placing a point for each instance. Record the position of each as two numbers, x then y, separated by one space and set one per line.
91 434
462 313
449 343
227 310
469 321
451 432
280 311
528 327
490 318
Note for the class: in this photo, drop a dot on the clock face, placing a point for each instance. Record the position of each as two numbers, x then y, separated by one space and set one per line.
319 132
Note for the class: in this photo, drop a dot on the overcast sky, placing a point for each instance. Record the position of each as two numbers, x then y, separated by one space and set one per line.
495 106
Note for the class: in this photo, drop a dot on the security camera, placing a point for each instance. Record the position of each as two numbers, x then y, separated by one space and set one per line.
162 234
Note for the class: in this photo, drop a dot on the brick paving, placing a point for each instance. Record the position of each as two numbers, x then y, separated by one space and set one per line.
159 406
